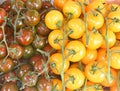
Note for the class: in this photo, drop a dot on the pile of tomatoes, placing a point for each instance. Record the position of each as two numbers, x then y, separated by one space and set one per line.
66 45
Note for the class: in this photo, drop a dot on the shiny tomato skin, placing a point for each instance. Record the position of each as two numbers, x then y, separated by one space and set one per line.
3 13
30 89
6 65
9 86
32 17
15 51
1 34
3 50
25 37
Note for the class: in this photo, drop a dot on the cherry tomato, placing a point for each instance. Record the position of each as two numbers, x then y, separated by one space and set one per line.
114 88
75 28
24 68
113 79
3 13
72 9
54 19
55 39
96 71
74 78
39 41
6 65
15 51
94 20
1 34
25 37
44 84
3 50
30 78
115 58
57 84
113 21
42 29
6 5
113 7
30 89
59 4
56 63
95 40
90 56
34 4
32 17
9 86
28 51
34 59
75 51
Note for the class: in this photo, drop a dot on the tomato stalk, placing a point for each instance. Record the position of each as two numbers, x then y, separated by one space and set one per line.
85 19
108 50
4 37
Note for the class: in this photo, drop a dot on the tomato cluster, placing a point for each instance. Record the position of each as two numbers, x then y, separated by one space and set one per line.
64 45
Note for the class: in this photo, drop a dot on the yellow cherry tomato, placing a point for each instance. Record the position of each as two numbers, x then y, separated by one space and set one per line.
90 56
74 51
95 40
55 39
56 63
115 58
74 78
72 9
96 71
57 84
94 20
114 21
54 19
75 28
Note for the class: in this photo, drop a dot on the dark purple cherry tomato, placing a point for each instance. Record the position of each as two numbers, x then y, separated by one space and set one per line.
2 15
42 29
24 68
6 65
6 5
34 59
30 89
17 5
44 84
24 37
30 78
39 42
10 77
1 34
32 17
15 51
34 4
9 86
46 5
3 50
28 51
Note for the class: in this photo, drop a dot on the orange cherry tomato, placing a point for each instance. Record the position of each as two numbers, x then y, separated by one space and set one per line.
56 63
115 58
55 39
114 21
72 9
57 84
114 88
90 56
117 35
94 20
97 5
113 79
59 4
95 40
113 7
74 51
74 78
96 71
76 27
54 19
111 37
90 86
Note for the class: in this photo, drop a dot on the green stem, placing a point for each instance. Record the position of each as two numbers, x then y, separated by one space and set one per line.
108 50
